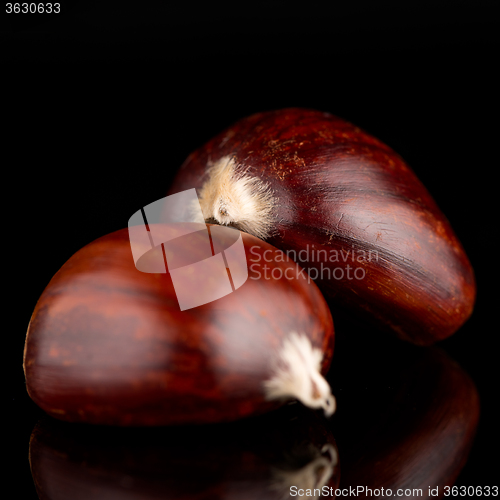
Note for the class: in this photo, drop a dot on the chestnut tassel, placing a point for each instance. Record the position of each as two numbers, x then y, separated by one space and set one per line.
108 344
344 206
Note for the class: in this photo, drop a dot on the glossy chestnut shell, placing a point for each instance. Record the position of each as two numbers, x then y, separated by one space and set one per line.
108 344
338 190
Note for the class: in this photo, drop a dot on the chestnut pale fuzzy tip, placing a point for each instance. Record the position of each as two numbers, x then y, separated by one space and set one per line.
297 375
237 200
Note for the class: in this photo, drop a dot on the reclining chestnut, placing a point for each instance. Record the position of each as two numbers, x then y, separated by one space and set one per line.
347 208
109 344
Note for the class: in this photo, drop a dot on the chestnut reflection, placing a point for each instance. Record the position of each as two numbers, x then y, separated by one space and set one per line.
406 417
261 458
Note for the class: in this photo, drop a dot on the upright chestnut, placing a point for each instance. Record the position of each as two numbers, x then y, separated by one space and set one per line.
347 208
109 344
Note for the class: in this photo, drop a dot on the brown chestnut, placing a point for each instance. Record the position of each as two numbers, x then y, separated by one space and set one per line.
344 206
109 344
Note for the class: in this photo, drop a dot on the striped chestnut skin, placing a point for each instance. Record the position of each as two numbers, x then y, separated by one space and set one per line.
108 344
348 208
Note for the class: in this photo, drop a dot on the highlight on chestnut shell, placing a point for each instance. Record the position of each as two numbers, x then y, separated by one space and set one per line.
347 208
109 345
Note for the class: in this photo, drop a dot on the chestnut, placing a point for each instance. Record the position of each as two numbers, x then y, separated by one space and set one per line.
264 457
109 344
347 208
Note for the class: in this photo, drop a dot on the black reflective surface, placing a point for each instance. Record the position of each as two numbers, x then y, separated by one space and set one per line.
256 458
407 416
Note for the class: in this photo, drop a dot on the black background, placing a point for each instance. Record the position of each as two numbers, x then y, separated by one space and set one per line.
102 103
